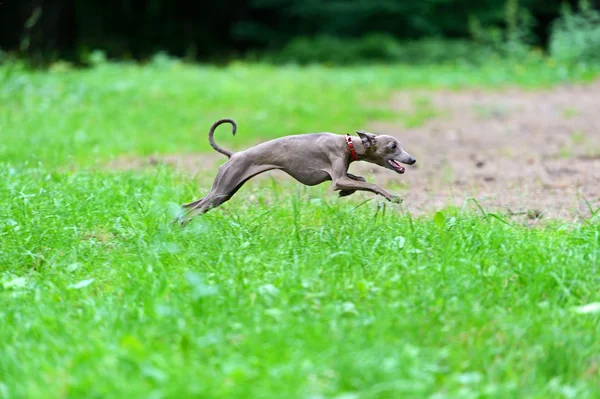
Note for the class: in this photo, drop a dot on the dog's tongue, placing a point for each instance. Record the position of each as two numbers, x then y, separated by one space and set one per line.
398 166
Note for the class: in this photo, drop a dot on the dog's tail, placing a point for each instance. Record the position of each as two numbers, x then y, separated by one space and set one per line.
212 132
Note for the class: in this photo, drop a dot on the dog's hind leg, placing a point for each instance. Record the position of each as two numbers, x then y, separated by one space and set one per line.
230 178
192 204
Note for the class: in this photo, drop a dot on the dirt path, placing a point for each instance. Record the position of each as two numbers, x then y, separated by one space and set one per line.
522 152
518 151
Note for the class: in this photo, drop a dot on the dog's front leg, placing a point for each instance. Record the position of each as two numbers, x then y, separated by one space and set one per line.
357 178
345 184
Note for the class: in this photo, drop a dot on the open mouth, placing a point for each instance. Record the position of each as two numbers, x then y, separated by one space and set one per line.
397 167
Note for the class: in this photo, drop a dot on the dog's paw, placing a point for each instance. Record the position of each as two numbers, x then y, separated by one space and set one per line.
180 220
344 193
357 178
396 200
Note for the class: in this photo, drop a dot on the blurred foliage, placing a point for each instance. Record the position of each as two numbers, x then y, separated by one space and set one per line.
73 29
576 35
377 48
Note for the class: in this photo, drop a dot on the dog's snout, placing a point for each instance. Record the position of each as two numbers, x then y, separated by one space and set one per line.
410 160
407 158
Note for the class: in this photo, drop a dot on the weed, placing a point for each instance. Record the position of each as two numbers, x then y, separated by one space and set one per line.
577 137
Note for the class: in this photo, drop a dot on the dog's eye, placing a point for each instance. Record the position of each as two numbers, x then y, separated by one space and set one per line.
393 146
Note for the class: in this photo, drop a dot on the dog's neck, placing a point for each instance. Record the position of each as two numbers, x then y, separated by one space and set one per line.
359 148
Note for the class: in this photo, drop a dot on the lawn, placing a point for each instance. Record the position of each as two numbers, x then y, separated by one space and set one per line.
285 291
81 117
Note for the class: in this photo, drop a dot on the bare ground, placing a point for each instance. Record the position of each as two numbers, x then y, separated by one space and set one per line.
530 153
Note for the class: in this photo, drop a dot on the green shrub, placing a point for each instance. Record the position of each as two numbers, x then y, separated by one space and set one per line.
513 40
442 51
377 48
328 49
576 35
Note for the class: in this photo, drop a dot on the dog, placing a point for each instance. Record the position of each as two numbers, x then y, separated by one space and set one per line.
309 158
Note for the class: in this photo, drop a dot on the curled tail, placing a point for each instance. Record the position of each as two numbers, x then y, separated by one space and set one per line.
212 132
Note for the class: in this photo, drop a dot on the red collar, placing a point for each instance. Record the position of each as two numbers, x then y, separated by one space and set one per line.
351 146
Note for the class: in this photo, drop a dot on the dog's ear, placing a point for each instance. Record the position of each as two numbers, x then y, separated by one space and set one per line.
368 139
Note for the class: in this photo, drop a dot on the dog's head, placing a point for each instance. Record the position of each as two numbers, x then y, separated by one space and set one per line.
385 151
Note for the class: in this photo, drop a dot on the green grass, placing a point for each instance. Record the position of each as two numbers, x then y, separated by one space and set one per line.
86 116
285 291
302 295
